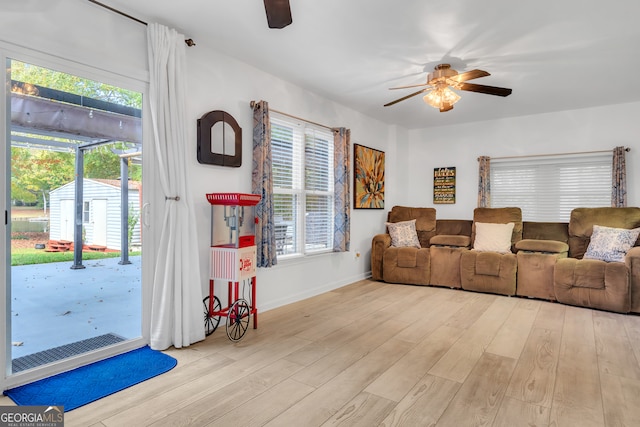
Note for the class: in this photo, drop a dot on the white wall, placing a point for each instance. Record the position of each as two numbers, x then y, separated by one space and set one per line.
219 82
591 129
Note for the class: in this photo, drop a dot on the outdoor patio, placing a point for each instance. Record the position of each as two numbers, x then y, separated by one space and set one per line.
53 305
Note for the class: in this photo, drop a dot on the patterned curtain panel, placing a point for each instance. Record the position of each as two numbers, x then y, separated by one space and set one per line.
484 182
342 196
262 183
619 178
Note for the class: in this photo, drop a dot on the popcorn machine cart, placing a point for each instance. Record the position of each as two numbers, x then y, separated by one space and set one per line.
233 259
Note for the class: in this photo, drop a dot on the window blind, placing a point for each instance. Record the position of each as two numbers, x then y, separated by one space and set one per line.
302 156
548 188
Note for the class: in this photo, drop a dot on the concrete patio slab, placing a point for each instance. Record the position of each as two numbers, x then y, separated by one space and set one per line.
53 305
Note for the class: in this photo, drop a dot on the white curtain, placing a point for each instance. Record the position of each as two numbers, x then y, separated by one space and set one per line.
176 310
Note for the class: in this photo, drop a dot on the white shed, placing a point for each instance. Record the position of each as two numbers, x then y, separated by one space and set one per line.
101 213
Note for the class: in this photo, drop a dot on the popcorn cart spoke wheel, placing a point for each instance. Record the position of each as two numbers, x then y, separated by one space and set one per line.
238 319
211 321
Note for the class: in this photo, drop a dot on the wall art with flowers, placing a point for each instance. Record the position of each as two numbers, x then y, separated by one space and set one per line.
368 178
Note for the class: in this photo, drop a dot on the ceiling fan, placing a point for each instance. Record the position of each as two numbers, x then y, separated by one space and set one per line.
278 13
442 80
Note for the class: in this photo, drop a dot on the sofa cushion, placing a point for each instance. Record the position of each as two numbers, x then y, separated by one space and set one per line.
488 263
425 221
593 283
403 234
493 237
558 231
461 227
583 219
394 272
499 216
471 278
407 257
548 246
451 240
611 244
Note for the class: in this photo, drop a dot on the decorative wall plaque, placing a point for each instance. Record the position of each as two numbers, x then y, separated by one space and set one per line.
219 140
444 185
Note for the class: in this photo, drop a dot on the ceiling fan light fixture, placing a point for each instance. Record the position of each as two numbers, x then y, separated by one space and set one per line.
441 98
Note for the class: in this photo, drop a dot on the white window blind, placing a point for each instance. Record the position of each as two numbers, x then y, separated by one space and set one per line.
302 156
548 188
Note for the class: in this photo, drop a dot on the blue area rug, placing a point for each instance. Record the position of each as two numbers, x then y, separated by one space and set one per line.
89 383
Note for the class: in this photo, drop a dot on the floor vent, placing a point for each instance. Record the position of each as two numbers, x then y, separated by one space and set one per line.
58 353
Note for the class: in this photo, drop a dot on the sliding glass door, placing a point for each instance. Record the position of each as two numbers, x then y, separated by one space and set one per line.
75 216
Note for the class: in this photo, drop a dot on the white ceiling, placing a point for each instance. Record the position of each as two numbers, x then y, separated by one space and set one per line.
555 54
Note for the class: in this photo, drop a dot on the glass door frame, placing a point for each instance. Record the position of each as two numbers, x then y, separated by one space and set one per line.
9 51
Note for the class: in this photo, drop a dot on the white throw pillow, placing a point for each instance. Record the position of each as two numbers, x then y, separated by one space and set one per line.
493 237
403 234
611 244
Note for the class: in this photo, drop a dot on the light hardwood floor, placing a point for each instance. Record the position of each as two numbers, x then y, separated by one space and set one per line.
376 354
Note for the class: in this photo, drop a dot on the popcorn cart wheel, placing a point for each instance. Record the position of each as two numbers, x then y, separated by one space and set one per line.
211 320
233 259
238 319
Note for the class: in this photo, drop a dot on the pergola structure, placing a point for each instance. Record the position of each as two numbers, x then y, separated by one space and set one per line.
50 119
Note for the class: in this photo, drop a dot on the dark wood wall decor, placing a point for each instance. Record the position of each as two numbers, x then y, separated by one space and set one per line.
219 140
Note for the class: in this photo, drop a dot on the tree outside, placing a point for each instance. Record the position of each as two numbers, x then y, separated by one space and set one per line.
35 172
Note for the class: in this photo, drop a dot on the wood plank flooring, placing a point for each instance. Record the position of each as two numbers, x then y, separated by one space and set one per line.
377 354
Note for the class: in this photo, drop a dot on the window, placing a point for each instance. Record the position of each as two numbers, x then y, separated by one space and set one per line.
302 156
548 188
86 212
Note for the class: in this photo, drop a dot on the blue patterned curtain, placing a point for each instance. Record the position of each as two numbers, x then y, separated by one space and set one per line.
342 196
262 183
619 178
484 182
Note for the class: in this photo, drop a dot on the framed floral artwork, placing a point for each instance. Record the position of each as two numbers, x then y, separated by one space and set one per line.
368 178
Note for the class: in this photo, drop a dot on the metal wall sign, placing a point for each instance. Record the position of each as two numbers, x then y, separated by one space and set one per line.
219 140
444 185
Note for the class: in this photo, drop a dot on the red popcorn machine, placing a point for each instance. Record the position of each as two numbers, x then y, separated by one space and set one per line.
233 259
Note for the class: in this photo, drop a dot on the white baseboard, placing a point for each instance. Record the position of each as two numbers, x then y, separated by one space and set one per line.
308 293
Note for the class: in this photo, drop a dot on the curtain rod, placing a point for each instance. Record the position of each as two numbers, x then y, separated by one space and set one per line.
252 104
189 42
627 149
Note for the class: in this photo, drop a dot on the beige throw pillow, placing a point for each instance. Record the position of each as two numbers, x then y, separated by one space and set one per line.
403 234
493 237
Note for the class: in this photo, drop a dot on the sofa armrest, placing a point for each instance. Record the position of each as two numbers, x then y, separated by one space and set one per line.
632 260
379 244
634 252
547 246
451 241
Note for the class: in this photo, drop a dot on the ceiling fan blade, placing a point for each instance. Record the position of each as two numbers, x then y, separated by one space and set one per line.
406 97
489 90
469 75
278 13
406 87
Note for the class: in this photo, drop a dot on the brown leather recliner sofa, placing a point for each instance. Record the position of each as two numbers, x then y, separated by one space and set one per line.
545 259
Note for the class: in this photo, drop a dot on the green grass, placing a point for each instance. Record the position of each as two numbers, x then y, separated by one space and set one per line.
38 256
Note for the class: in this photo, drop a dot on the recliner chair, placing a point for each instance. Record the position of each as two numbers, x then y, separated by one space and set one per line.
485 270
